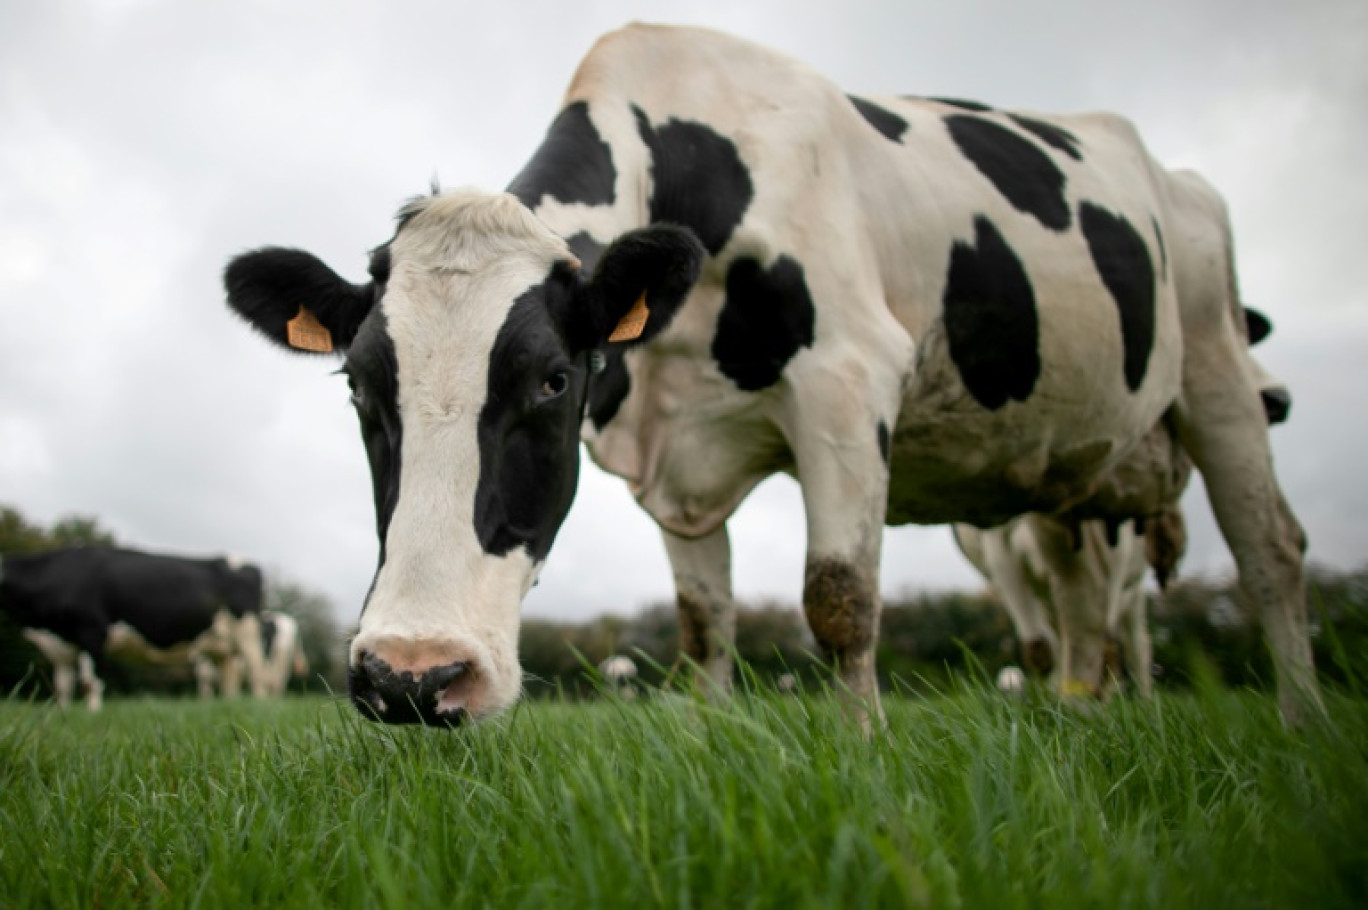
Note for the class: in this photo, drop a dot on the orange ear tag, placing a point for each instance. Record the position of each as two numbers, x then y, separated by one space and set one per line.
634 323
306 333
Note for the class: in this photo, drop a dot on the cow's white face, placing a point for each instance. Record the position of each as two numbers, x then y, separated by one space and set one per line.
467 359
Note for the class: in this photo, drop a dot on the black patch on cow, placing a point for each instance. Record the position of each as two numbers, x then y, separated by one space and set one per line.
78 593
608 389
1163 250
882 432
698 179
269 630
1022 173
976 106
573 164
372 371
991 322
529 444
885 121
1123 261
767 317
1054 136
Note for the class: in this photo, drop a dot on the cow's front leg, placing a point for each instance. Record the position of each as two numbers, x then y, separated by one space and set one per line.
90 681
707 613
845 494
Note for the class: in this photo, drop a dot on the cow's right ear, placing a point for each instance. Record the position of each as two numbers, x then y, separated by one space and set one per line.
295 300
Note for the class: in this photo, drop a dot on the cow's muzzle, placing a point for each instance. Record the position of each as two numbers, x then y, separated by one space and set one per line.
432 697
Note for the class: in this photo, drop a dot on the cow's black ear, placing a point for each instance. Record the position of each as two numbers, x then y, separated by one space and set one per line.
1258 325
295 300
639 283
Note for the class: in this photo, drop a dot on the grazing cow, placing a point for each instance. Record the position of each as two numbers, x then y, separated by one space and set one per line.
84 605
1081 584
724 266
282 650
1039 566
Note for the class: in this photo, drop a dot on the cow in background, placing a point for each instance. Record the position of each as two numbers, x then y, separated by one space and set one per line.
1029 562
1062 583
283 659
84 606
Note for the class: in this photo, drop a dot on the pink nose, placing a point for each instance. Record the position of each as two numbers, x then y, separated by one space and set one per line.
398 682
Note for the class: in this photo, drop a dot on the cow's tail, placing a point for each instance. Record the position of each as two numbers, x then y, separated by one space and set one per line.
1165 543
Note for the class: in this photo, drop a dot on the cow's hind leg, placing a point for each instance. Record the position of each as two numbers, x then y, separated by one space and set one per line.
1222 425
707 613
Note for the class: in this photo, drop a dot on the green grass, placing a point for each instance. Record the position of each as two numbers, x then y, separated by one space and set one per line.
968 800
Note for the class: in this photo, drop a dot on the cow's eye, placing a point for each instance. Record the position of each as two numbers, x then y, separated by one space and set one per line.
554 386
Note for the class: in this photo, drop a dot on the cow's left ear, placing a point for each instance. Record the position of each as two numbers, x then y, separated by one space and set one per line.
295 300
638 285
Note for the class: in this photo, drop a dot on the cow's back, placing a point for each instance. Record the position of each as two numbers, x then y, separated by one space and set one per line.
167 600
57 591
994 287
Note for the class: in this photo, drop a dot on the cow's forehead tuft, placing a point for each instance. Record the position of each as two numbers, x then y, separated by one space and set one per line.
466 230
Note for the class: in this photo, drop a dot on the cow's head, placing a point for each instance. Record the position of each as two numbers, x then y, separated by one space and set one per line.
468 358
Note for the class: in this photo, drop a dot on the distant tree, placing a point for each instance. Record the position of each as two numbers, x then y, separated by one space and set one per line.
17 535
79 531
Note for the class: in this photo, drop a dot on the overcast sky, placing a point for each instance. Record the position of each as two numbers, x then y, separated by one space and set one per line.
143 143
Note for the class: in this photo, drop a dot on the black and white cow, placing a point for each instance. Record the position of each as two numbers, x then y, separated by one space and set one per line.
84 605
282 659
1078 586
927 311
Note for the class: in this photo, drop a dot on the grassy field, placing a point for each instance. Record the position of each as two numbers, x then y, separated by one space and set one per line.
968 800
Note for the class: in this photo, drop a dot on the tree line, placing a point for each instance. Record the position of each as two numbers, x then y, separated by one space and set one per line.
1203 629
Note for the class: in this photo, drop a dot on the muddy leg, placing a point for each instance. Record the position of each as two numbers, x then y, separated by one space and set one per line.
707 613
845 489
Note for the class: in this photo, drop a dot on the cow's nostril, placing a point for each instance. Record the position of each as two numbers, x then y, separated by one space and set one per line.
363 692
454 697
442 677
